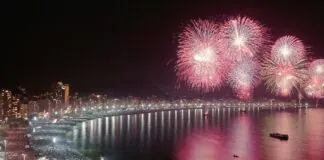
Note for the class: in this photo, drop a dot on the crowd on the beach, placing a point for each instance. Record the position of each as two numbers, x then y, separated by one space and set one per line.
17 146
49 140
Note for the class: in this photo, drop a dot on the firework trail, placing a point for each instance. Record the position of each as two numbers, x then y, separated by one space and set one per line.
244 76
242 37
282 77
288 48
200 64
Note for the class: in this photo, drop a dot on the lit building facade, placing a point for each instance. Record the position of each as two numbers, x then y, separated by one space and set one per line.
23 111
10 106
6 107
1 106
14 108
33 107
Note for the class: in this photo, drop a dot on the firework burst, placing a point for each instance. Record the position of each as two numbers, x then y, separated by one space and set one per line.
200 63
314 88
241 37
244 76
288 48
315 85
282 77
316 69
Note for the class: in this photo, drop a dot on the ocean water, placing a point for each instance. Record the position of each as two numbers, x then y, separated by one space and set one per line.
189 135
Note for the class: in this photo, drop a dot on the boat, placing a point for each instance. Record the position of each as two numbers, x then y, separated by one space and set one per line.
205 109
206 113
279 136
243 110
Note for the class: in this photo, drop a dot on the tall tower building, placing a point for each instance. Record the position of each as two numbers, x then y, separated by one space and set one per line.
2 105
66 95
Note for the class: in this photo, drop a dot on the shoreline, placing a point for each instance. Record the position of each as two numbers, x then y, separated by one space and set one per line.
74 121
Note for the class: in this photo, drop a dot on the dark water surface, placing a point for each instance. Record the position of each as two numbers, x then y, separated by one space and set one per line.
189 135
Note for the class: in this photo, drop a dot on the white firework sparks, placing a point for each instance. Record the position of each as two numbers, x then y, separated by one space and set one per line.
288 48
244 76
242 37
282 77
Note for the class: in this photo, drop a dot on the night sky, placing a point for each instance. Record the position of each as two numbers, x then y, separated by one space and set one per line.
123 46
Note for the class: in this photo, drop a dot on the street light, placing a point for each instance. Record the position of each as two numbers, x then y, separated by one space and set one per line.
24 156
5 143
54 140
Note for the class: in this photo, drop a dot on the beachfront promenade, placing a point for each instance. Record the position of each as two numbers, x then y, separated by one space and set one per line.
49 134
108 110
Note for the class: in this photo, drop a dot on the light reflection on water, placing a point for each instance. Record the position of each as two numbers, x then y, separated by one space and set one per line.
189 135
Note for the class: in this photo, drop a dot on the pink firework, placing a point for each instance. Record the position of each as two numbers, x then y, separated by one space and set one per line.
288 48
199 62
316 69
282 77
244 76
242 37
314 88
315 85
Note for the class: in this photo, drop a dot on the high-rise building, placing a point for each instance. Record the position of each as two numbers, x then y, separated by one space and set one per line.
14 108
33 107
45 105
1 105
10 105
6 104
23 112
66 95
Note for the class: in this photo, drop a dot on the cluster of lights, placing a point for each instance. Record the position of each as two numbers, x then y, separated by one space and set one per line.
11 106
182 104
